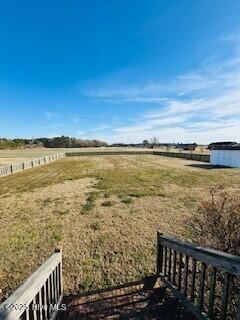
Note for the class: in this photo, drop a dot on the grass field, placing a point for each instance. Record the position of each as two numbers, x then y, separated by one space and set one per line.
104 211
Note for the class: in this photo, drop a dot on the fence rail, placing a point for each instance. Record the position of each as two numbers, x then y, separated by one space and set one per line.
184 155
205 280
107 153
40 296
20 166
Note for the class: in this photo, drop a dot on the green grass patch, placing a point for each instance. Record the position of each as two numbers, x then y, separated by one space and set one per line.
127 200
137 194
107 204
56 237
90 203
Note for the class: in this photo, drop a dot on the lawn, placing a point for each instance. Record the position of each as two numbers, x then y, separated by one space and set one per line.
104 211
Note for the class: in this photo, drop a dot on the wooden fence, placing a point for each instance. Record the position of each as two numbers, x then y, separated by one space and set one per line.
184 155
40 296
206 281
107 153
20 166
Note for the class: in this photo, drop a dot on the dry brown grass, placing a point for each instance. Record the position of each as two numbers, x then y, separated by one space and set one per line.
83 204
4 161
40 152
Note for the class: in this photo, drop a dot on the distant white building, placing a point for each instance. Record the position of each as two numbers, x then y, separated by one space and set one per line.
226 156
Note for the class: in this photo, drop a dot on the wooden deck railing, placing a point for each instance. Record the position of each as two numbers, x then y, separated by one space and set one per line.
206 281
39 297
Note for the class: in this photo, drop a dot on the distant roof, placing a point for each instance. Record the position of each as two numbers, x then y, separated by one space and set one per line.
223 143
235 146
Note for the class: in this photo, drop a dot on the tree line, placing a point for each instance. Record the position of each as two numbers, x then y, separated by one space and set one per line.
71 142
56 142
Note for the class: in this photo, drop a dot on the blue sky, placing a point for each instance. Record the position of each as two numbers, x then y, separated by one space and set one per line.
122 70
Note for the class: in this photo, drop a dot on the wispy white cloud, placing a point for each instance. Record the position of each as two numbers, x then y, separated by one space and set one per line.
207 80
101 127
54 126
50 115
51 102
201 105
151 124
74 117
81 133
201 120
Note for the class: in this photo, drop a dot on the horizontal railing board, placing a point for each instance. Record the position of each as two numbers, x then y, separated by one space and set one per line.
26 293
184 155
217 259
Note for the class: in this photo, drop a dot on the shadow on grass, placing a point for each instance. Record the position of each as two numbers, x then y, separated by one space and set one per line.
207 166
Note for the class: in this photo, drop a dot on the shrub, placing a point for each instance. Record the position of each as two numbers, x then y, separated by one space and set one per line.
216 223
